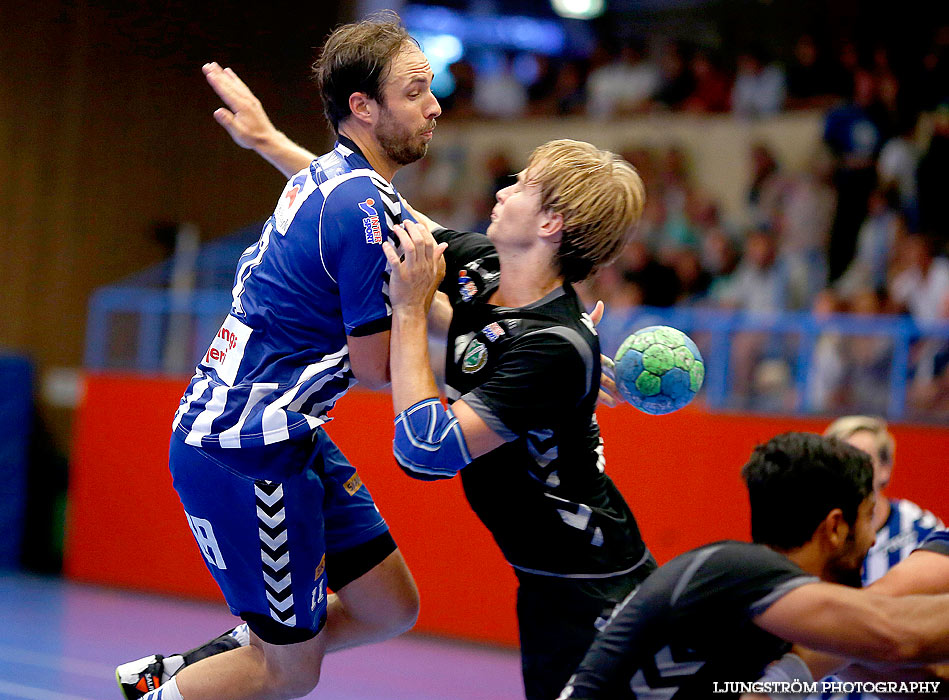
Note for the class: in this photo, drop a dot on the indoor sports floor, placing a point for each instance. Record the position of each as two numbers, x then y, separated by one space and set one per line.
62 641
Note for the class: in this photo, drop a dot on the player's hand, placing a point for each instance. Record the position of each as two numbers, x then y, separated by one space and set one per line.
416 276
244 117
420 217
608 395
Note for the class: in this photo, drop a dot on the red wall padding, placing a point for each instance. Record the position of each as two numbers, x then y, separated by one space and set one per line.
679 472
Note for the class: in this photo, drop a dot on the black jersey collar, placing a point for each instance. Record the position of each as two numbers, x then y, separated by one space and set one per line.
550 296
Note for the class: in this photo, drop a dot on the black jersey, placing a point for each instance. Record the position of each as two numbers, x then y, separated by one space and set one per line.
689 625
533 375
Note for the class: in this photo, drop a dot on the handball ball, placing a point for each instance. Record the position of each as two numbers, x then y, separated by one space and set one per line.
659 369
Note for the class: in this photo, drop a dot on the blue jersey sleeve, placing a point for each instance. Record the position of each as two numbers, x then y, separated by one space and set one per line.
354 223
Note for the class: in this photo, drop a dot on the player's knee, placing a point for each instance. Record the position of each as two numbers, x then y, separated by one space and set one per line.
404 612
294 683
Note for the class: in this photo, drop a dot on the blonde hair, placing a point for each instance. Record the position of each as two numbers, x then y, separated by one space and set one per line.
845 427
599 195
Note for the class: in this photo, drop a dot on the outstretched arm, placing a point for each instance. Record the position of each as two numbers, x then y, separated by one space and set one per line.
862 624
246 121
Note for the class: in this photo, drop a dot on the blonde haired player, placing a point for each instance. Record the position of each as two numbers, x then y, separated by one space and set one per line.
900 525
522 378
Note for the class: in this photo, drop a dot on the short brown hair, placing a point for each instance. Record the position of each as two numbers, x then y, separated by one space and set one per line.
599 195
356 58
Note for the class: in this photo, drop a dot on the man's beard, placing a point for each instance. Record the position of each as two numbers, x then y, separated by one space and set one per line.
398 145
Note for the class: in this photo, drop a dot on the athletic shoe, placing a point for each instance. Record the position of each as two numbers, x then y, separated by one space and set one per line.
136 678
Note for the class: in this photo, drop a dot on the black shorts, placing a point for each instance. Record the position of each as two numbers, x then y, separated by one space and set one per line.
558 619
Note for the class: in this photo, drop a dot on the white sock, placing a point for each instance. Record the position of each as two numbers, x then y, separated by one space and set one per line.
170 666
167 691
242 634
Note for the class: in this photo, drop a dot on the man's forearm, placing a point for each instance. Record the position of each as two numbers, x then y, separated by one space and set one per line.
285 155
412 378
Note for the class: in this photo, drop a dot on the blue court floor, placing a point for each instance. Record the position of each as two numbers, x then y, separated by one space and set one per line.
62 641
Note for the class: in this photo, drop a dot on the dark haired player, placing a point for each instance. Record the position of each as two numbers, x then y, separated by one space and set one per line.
724 611
277 511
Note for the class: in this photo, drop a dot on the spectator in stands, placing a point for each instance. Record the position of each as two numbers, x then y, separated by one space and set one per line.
931 176
868 359
677 82
825 373
900 525
541 90
922 286
809 78
845 68
569 94
693 281
759 88
624 85
768 185
759 286
720 256
498 93
655 283
933 83
853 134
460 103
897 166
711 93
876 244
802 222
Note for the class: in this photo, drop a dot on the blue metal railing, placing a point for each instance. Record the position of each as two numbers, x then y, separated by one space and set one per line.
156 317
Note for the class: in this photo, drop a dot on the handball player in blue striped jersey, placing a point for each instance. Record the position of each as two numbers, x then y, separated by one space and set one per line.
277 511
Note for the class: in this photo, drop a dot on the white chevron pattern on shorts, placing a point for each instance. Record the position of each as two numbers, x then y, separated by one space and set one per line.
273 542
274 552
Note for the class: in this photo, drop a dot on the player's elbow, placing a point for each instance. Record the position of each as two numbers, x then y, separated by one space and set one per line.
428 442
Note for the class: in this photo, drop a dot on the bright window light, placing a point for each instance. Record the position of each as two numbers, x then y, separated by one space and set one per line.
578 9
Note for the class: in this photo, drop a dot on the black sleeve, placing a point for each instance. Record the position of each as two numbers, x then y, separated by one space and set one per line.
937 542
536 384
734 581
693 597
463 247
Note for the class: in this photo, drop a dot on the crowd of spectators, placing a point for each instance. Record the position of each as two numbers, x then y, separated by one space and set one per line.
861 230
633 77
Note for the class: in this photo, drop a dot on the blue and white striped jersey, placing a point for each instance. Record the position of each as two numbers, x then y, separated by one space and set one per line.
907 526
280 360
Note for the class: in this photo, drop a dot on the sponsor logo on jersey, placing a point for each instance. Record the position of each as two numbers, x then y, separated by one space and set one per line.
320 569
227 349
290 202
476 356
371 222
493 331
353 485
466 285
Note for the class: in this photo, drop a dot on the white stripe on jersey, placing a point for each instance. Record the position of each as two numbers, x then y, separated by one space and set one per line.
248 266
899 536
214 408
232 436
199 389
274 425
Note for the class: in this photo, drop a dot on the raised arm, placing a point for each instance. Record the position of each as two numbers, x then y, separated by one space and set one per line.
246 121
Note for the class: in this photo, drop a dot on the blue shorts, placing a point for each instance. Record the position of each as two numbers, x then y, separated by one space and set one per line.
277 525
